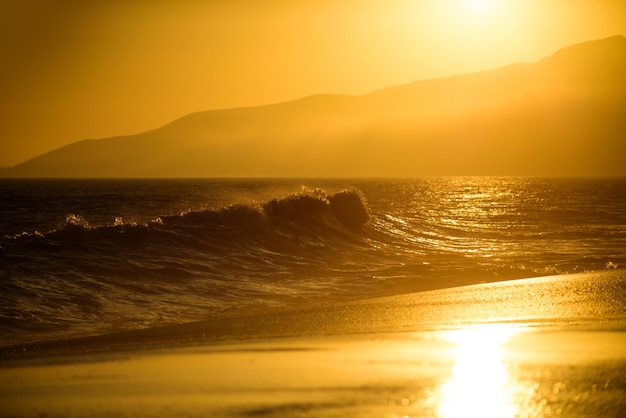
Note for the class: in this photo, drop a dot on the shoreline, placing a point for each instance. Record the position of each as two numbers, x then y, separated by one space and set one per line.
531 347
395 286
434 309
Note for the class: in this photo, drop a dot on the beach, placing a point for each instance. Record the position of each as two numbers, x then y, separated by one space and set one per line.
543 347
410 209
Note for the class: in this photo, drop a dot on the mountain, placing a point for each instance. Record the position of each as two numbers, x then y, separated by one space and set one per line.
563 115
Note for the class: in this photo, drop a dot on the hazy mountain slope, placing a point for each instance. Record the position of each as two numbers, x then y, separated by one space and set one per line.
564 115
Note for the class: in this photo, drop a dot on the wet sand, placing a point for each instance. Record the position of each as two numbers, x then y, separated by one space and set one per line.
541 347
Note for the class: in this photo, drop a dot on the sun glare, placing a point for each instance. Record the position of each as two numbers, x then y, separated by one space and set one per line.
480 383
478 7
476 30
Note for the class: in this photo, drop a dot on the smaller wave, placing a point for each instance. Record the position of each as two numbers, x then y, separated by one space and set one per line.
232 215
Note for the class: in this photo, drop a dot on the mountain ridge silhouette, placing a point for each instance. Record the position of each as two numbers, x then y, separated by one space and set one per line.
562 115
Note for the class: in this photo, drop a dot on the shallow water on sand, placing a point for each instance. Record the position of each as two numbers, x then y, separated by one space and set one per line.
380 357
486 372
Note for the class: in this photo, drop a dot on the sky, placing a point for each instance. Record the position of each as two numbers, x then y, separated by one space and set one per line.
74 70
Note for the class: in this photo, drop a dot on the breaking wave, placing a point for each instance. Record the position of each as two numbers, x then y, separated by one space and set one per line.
313 215
81 278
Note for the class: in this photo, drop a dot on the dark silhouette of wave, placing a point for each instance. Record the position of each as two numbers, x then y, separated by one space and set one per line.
314 216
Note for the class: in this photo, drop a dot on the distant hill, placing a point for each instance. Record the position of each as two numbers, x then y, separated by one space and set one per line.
563 115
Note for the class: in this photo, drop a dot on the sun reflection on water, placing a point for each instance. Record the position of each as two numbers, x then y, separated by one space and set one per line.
480 384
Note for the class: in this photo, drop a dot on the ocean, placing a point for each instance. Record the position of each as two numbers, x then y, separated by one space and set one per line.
91 257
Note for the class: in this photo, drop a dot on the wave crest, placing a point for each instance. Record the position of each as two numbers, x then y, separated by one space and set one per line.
310 213
350 208
347 208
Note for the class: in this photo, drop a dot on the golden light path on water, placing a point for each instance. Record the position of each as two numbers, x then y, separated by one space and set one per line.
492 354
480 384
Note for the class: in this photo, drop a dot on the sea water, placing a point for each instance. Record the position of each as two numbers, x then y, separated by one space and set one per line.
86 257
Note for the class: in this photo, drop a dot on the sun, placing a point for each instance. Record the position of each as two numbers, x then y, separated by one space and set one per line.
478 8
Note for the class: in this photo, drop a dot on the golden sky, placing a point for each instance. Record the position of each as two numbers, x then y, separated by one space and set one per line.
74 69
